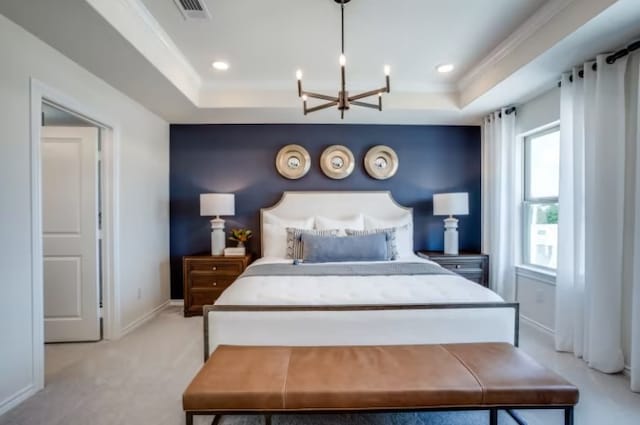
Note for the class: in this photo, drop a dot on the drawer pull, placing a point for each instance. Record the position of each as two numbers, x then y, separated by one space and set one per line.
214 268
214 284
457 266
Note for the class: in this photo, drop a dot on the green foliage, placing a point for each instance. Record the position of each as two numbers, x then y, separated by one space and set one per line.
241 235
547 214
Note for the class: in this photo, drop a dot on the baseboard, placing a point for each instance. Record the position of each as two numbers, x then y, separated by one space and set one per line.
143 319
627 371
16 399
176 303
537 325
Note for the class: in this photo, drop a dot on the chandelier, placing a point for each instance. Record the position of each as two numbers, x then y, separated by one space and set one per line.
343 100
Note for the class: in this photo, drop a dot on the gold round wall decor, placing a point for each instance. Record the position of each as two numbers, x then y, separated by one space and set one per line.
337 162
293 162
381 162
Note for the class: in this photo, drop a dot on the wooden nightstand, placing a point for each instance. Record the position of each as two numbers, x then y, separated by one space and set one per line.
205 277
472 266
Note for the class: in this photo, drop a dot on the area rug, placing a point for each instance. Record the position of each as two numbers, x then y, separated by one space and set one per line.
424 418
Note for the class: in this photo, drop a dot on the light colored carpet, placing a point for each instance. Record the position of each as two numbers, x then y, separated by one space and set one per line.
139 380
433 418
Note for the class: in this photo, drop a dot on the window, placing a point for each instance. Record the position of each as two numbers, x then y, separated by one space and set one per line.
541 185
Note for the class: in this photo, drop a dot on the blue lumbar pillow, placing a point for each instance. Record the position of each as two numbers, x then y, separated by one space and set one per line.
326 249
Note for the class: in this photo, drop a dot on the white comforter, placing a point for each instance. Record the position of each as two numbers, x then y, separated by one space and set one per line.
354 290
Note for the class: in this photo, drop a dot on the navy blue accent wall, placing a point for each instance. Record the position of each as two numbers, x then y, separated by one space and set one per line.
241 159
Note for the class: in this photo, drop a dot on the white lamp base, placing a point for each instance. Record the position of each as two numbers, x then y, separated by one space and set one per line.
451 236
218 237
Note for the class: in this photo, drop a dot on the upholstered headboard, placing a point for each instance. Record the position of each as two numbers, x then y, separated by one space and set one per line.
337 205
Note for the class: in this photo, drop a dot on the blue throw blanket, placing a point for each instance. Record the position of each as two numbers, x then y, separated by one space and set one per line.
391 268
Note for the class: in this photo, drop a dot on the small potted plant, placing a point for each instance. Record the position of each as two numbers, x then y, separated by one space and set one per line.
241 236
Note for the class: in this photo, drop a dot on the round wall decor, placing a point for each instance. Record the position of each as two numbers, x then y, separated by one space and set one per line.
293 162
381 162
337 162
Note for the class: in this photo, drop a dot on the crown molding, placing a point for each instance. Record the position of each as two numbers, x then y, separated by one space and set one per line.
532 25
137 25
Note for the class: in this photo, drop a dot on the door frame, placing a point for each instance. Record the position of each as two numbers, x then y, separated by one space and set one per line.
110 136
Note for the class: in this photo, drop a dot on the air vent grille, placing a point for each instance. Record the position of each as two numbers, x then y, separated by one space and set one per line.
193 9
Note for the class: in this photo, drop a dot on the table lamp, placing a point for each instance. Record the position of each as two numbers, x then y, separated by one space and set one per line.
217 204
451 204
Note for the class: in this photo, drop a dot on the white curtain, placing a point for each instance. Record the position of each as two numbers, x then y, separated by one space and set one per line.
598 212
633 269
499 168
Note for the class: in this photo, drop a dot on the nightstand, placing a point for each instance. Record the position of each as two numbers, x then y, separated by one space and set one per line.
204 277
472 266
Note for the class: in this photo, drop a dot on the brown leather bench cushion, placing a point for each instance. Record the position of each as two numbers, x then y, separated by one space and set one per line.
378 377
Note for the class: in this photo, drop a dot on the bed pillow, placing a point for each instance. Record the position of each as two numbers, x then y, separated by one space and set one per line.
324 223
295 247
404 232
390 234
326 249
274 234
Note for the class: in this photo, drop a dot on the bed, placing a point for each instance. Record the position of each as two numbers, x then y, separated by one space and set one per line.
406 301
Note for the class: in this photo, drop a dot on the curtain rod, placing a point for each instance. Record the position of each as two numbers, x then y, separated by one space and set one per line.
611 59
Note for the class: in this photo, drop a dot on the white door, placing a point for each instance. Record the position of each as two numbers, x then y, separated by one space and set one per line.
70 233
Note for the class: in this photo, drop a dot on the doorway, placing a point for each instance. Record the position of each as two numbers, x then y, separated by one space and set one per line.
44 97
70 170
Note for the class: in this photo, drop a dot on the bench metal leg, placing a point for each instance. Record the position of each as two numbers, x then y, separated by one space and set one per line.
493 416
568 416
267 419
516 417
189 418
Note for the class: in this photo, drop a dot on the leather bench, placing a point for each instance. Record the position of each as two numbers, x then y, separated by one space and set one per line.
480 376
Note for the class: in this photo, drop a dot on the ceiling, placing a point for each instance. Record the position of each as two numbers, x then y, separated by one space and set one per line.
504 51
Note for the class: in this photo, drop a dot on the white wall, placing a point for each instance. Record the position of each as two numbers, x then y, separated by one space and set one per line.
143 185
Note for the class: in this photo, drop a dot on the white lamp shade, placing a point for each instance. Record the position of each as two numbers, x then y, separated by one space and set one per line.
217 204
451 203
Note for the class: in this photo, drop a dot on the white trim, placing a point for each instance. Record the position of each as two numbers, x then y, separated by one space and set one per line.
17 398
544 276
532 25
39 91
539 326
139 27
539 129
176 303
144 319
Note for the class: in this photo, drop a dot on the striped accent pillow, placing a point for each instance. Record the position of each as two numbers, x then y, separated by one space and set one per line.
295 246
390 233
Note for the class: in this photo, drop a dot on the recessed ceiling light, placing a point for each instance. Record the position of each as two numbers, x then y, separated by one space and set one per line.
444 68
220 66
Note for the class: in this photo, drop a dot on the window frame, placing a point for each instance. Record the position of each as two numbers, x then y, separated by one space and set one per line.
528 200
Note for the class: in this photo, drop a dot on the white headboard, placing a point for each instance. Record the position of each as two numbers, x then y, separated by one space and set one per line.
337 205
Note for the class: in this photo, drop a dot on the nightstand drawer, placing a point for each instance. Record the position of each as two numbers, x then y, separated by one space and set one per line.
471 266
459 266
216 267
210 280
199 298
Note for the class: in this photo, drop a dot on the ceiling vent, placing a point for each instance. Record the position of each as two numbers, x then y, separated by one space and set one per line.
193 9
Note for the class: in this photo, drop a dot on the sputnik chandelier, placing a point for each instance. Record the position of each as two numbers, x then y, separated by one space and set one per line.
343 101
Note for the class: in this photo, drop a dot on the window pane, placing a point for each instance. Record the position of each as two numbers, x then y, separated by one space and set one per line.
541 237
543 163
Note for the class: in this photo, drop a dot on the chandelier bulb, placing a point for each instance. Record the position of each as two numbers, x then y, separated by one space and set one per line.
343 60
387 70
304 97
299 74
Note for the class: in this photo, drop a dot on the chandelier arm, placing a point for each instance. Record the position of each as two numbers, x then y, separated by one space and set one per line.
367 94
367 105
320 96
320 107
